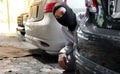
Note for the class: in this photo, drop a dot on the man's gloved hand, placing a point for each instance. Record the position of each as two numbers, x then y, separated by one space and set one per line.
62 60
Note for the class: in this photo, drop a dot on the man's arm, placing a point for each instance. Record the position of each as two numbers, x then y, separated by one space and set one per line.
69 41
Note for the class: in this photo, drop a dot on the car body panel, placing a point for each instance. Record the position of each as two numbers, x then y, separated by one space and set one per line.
49 31
86 66
42 29
97 47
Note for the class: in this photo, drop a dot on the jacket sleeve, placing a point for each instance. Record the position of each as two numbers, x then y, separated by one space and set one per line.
69 41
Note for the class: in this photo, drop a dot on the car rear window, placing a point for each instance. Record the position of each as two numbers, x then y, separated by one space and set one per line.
37 10
33 10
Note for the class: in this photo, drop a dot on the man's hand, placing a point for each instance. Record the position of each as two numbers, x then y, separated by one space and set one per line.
62 60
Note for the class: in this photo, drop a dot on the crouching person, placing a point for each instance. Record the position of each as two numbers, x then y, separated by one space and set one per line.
67 18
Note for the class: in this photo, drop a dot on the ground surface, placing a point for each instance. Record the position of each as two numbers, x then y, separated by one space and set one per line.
20 57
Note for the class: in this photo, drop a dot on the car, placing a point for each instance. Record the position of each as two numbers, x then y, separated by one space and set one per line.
42 29
97 46
21 20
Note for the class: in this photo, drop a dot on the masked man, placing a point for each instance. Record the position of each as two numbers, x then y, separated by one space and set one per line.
67 18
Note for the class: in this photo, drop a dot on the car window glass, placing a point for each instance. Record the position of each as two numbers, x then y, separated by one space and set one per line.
33 11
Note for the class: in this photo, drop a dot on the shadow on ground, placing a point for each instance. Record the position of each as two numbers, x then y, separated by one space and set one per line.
47 59
43 56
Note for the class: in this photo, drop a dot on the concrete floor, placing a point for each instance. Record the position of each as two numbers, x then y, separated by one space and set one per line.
35 63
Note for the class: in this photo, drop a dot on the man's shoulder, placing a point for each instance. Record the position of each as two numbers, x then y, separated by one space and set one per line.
64 28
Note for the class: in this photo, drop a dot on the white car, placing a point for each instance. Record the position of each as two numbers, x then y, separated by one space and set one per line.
21 20
42 29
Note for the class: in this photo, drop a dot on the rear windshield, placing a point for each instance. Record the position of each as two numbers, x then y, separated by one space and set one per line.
36 10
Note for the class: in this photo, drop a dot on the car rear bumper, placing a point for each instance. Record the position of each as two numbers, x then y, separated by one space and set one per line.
47 28
100 46
85 66
47 45
45 33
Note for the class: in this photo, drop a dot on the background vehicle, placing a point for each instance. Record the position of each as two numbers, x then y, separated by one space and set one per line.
21 20
42 29
98 39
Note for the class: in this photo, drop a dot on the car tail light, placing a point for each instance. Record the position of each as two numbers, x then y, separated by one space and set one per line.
49 6
65 1
91 5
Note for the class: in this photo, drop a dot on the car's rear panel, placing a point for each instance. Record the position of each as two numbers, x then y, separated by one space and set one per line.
100 46
98 40
42 29
47 31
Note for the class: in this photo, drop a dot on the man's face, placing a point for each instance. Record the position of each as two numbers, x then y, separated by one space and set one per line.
60 12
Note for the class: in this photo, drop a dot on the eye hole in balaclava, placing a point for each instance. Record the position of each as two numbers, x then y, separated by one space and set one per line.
68 18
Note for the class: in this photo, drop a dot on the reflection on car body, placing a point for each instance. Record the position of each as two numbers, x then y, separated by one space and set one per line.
98 39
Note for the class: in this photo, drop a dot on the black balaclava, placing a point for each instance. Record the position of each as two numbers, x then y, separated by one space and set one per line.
68 19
